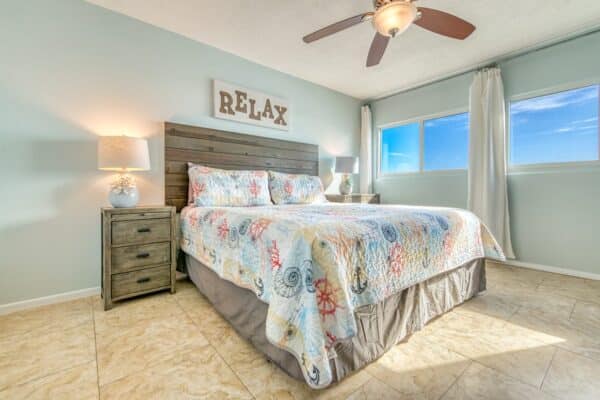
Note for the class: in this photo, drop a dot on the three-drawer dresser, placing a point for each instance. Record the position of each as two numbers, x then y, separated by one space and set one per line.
138 252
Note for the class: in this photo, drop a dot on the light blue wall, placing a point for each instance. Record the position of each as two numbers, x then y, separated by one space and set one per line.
554 213
70 71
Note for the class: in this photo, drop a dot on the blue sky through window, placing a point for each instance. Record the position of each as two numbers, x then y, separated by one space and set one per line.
400 149
561 127
446 143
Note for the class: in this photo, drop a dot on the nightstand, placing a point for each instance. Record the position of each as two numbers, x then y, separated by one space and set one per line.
353 198
138 252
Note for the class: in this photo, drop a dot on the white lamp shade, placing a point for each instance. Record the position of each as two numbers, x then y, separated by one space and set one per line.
346 165
123 153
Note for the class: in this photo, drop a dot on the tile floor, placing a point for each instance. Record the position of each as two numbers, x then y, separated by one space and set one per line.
531 335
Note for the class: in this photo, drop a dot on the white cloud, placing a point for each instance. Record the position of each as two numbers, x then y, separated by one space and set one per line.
577 130
557 100
398 154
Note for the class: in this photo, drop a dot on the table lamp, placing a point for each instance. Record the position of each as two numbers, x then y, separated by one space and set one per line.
123 154
346 166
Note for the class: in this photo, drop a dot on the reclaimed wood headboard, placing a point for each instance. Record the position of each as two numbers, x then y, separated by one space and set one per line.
228 150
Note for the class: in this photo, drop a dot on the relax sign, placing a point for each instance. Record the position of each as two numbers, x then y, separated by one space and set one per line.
243 105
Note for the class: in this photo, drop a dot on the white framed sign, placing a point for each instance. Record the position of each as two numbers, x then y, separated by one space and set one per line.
249 106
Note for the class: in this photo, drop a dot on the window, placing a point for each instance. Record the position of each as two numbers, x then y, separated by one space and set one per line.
426 145
400 149
556 128
447 143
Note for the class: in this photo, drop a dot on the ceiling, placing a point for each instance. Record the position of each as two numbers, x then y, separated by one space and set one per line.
269 32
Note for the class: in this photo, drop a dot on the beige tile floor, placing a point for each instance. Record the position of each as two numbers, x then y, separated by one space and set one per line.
531 335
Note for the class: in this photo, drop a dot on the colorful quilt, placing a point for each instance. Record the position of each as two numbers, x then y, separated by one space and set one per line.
315 264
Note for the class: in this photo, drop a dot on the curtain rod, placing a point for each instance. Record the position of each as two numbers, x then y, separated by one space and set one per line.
495 61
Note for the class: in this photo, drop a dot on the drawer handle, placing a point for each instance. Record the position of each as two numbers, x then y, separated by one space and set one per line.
143 255
143 230
143 280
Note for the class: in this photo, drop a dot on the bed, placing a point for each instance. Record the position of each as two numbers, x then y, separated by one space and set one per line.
320 289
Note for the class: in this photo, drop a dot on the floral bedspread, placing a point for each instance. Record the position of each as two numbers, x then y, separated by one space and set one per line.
314 264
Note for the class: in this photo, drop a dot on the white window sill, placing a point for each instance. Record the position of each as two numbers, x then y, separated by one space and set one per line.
553 168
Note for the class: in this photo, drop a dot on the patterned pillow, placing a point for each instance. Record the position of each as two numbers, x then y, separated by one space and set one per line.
219 187
195 169
295 189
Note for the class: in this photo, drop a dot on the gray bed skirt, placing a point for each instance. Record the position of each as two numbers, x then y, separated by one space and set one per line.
380 326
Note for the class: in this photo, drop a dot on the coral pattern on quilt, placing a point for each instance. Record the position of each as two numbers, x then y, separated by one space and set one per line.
219 187
315 264
295 189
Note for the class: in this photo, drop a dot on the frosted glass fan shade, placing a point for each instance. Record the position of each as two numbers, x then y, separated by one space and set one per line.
394 18
346 165
123 153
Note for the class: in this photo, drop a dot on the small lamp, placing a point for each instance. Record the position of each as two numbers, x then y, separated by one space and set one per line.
346 166
123 154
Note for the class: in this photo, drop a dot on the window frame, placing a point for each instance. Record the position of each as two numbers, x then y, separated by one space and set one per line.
550 166
421 121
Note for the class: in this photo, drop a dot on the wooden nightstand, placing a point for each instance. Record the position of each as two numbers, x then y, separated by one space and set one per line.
138 252
353 198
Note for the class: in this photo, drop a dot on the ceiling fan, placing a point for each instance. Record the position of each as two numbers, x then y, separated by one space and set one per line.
393 17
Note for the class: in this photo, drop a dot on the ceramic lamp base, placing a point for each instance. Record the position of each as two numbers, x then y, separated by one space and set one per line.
346 184
123 192
124 199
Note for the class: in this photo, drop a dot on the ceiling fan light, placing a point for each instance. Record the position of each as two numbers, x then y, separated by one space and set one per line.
394 18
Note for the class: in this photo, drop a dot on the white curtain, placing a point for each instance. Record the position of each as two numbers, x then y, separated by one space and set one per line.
366 140
488 196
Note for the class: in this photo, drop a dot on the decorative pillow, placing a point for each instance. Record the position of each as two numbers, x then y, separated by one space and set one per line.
219 187
295 189
195 169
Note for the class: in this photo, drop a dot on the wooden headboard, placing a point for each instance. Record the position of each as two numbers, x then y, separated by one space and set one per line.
228 150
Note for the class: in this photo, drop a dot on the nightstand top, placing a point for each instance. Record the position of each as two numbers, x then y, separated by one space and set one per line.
372 198
352 195
149 208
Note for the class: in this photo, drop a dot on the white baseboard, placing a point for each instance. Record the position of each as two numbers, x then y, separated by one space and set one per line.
556 270
42 301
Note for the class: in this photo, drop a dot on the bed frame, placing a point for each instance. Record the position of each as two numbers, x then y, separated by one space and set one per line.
381 326
228 150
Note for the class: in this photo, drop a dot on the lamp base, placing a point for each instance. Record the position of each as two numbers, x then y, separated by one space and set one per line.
346 184
123 192
124 199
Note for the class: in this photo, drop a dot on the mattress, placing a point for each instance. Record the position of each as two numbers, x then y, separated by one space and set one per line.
315 265
380 326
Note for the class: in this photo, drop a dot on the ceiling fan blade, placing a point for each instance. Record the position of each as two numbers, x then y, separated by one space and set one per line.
338 26
444 24
377 49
